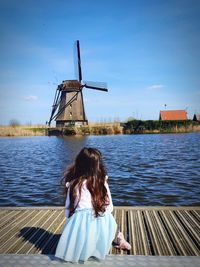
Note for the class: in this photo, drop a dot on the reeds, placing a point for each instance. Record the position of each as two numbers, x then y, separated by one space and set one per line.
22 130
40 130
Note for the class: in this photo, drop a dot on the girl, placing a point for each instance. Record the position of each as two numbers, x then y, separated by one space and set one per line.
90 227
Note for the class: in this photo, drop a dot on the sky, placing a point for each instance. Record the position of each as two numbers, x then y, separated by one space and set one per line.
146 51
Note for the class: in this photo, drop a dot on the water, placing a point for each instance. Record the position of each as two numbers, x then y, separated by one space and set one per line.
161 169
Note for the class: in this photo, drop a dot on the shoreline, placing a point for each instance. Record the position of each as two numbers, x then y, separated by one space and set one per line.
81 135
91 129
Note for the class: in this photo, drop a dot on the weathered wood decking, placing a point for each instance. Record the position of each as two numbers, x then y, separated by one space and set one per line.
150 230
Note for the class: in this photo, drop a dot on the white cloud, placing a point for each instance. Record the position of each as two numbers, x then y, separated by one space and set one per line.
31 98
155 87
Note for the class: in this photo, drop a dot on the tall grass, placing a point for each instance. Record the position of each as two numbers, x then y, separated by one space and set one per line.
39 130
22 130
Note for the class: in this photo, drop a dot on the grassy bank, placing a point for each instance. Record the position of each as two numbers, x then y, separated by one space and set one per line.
22 130
91 129
130 127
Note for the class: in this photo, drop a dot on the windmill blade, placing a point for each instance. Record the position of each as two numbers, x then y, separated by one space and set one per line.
52 114
77 61
96 88
55 105
96 85
57 93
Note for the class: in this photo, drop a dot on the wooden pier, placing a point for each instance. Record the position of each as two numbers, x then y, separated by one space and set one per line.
160 231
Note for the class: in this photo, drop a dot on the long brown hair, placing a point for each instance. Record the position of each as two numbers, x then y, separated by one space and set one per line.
88 166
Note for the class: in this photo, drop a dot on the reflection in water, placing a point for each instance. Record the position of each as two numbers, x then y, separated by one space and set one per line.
143 169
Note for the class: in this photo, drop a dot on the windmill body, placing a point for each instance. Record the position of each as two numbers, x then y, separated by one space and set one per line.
71 108
68 106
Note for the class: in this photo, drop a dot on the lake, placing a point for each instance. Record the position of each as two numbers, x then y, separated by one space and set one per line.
149 169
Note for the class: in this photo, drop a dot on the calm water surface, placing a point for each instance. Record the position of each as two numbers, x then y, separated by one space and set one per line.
143 169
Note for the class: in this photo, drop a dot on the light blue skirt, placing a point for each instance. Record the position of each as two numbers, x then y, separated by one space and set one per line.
85 236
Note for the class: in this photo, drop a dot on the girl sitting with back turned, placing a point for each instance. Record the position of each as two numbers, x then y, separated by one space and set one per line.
90 227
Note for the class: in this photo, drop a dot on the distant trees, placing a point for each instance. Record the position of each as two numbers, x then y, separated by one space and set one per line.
14 123
140 126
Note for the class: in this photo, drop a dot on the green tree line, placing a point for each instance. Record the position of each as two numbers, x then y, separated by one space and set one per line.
142 126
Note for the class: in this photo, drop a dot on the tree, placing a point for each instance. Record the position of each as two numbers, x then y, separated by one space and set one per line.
14 123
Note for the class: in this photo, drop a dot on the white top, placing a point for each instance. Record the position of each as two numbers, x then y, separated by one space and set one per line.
85 200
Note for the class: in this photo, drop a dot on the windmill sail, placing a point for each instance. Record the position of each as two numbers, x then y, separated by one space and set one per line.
77 61
96 85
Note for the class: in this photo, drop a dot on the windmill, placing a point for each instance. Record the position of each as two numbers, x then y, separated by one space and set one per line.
68 106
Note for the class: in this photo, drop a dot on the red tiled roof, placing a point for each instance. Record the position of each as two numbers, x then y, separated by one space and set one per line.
173 115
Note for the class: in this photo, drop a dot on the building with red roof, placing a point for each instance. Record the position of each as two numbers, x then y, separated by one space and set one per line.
173 115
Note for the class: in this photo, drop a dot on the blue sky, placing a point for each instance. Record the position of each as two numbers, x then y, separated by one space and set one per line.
147 52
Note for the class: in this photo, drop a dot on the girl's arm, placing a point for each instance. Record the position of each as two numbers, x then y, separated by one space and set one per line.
67 202
110 206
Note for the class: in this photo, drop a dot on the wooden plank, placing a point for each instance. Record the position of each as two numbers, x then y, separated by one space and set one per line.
159 237
12 232
3 212
13 220
190 225
150 230
9 216
138 235
194 221
191 245
182 241
196 214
